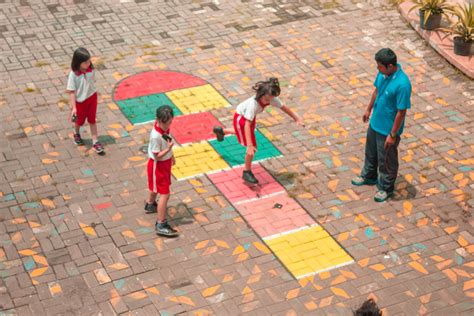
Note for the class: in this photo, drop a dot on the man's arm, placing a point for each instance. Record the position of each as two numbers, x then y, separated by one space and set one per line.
365 117
399 118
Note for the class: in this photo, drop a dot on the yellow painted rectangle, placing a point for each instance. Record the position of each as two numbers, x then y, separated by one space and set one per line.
197 99
196 159
308 251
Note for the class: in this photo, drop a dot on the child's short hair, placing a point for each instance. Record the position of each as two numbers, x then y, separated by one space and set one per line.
164 113
80 55
368 308
271 87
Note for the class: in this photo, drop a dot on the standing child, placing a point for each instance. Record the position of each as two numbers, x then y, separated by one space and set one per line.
267 93
83 96
160 161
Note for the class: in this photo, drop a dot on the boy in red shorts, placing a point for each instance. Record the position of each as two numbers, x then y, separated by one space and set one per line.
160 161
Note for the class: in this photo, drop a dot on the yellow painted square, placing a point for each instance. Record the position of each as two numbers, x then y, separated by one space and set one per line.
308 251
197 99
195 159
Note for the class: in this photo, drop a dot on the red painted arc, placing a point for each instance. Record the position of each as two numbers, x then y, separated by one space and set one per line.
153 82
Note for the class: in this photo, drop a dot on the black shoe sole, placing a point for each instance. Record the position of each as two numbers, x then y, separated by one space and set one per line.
151 212
249 182
167 235
219 133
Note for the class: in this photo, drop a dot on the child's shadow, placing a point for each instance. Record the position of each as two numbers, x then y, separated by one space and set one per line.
404 191
104 140
181 214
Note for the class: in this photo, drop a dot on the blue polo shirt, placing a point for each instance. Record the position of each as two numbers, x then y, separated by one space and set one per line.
393 94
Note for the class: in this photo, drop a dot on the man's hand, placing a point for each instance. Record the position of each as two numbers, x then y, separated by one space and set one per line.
389 141
366 116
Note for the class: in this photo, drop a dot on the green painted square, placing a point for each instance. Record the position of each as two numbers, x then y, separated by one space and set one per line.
234 153
143 109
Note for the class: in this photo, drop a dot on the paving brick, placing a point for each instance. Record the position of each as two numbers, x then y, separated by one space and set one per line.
71 218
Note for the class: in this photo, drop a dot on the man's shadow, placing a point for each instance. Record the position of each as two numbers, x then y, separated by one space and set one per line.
404 190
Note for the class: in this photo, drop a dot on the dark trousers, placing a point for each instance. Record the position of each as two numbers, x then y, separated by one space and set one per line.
380 164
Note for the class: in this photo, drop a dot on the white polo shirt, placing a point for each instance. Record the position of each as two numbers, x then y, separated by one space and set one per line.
250 107
158 143
82 83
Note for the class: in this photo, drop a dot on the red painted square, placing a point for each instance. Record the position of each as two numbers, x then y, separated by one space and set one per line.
194 127
231 184
267 219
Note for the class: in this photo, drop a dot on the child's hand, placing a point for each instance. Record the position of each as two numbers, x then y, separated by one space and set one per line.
173 161
300 122
73 115
170 144
251 150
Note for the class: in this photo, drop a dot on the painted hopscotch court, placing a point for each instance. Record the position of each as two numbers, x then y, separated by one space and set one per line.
303 246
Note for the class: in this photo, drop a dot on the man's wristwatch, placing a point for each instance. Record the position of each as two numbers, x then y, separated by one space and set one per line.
393 135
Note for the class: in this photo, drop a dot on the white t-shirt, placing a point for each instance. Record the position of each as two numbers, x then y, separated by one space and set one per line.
158 143
82 83
250 107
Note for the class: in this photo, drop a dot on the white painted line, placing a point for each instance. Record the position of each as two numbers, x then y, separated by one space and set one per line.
143 123
259 198
203 173
258 161
325 270
290 232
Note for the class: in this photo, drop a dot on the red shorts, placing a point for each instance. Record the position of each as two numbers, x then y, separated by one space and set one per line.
159 176
239 128
86 109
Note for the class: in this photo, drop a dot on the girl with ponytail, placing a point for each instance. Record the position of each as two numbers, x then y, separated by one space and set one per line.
266 93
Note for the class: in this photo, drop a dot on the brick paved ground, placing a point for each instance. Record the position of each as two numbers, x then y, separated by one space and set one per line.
75 240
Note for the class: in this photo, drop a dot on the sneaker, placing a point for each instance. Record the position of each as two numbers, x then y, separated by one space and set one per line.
219 133
249 177
98 148
151 207
382 196
362 181
164 229
78 140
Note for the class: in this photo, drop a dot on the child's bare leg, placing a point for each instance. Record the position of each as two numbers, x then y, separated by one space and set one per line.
94 132
162 206
152 197
229 131
77 128
248 162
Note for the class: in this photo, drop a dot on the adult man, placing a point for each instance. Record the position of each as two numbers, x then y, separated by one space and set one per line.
389 103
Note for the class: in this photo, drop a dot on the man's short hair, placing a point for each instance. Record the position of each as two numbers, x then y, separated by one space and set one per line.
386 57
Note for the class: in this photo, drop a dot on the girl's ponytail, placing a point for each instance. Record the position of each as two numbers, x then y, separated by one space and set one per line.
274 81
271 87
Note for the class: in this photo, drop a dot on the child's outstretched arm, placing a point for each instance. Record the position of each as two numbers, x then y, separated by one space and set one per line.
293 115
